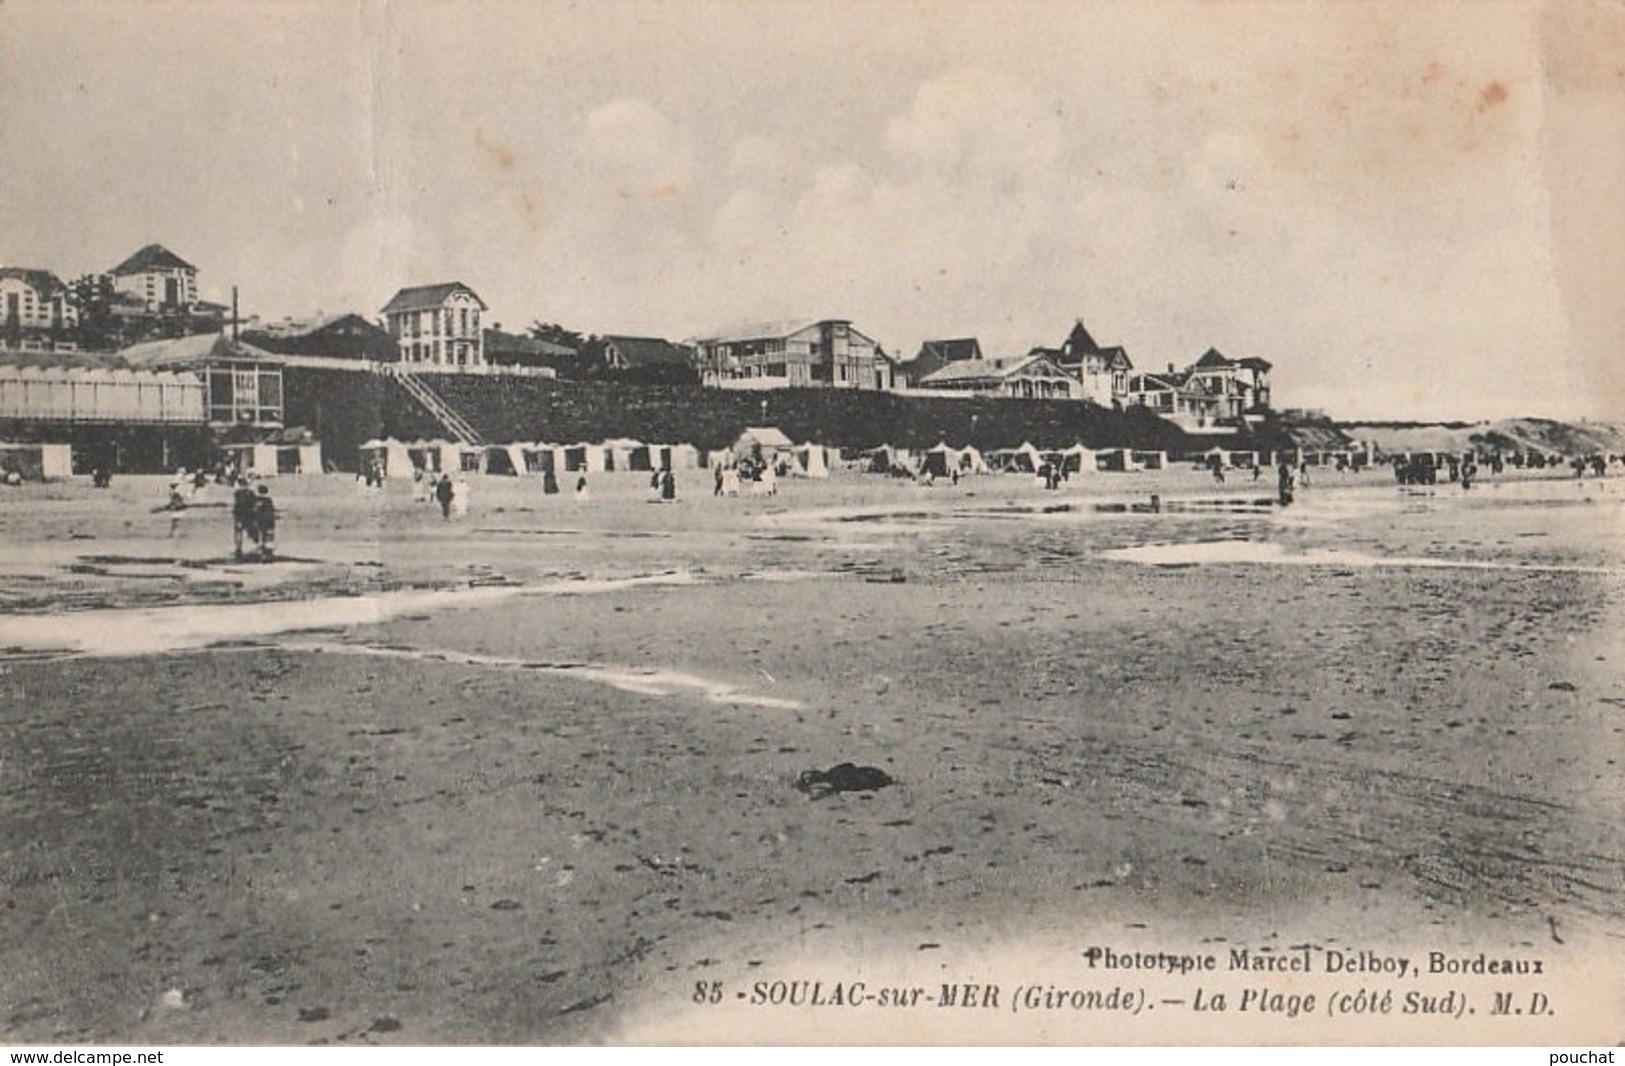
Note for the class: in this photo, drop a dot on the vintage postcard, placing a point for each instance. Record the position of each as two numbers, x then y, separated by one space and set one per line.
812 523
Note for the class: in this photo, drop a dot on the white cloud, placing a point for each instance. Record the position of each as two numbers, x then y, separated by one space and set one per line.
978 120
640 152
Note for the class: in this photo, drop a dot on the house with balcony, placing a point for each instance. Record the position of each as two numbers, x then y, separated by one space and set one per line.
1102 372
826 353
1031 377
36 312
1241 387
437 327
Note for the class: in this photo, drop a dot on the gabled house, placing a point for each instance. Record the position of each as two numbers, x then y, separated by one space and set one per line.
934 355
437 326
36 313
338 336
1240 386
1102 372
156 279
1031 377
826 353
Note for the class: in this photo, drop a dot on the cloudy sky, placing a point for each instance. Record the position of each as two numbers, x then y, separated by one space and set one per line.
1413 211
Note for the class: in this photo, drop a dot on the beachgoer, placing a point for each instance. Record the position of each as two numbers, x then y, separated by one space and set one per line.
654 487
265 522
1285 481
668 486
550 482
242 516
716 473
460 497
581 487
175 504
443 492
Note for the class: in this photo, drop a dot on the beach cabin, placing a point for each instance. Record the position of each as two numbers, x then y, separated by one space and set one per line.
811 461
1078 460
939 461
587 459
37 462
1112 460
1025 459
390 455
623 453
763 442
887 459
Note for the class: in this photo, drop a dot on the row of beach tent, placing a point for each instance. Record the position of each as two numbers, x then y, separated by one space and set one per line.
397 458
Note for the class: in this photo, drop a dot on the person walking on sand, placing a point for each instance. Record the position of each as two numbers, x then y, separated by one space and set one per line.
581 487
668 486
265 523
443 493
242 516
460 497
1285 482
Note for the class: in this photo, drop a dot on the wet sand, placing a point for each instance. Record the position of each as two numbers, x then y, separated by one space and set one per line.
529 776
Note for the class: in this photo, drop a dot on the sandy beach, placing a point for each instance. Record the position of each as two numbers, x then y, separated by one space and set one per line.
529 776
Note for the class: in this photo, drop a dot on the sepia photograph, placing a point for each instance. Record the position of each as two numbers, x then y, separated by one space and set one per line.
803 522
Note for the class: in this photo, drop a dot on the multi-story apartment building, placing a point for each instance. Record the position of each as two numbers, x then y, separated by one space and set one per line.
35 311
157 279
827 353
437 326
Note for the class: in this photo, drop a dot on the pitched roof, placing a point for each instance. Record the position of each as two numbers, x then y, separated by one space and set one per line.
42 281
993 369
766 436
1079 342
427 297
152 257
62 360
774 330
193 350
648 351
951 351
1150 382
764 330
1212 359
499 342
304 327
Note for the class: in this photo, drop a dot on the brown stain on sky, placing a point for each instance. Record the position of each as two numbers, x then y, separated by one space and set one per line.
502 158
1492 95
669 191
